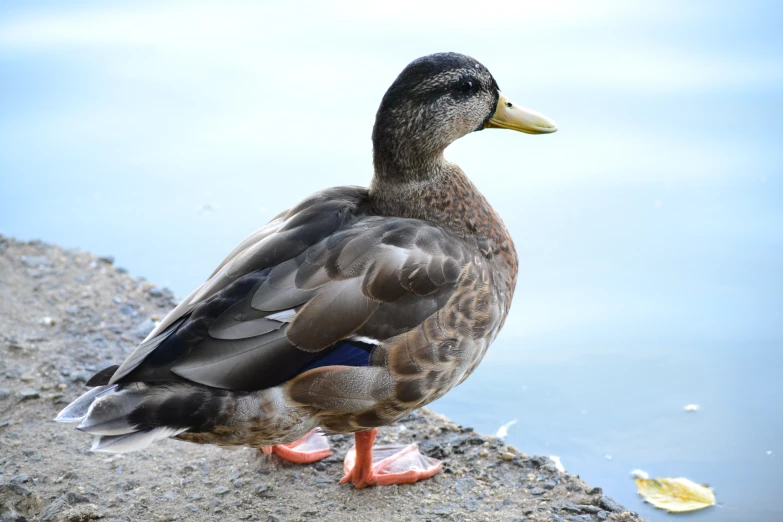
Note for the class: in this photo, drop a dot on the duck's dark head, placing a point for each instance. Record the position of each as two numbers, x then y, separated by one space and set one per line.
434 101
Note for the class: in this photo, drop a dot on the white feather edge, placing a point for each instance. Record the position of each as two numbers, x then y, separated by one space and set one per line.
284 316
363 339
133 441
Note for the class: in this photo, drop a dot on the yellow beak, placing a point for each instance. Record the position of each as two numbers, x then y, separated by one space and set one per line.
510 116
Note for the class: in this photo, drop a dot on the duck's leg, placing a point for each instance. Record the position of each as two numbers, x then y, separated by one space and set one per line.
366 465
311 448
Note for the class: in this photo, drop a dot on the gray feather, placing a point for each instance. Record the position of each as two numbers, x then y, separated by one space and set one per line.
77 410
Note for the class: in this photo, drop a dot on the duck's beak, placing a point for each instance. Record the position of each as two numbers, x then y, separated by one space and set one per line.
511 116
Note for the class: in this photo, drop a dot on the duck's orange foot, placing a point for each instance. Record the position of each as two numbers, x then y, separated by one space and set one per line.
366 465
311 448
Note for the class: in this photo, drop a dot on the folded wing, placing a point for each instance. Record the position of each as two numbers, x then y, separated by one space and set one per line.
325 271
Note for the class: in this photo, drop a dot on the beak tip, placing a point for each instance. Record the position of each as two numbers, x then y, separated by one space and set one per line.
549 127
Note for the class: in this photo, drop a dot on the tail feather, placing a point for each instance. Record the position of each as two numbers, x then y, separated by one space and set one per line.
77 410
109 413
130 417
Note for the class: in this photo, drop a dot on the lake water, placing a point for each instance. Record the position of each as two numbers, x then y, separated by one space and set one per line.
649 228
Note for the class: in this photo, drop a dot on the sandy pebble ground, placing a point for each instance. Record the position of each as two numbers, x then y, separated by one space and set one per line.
65 314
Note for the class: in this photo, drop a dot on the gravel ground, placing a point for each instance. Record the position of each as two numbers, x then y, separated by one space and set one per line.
65 314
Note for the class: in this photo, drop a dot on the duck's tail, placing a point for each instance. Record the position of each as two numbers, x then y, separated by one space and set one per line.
130 417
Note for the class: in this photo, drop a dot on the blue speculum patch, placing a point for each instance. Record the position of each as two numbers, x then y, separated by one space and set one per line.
344 353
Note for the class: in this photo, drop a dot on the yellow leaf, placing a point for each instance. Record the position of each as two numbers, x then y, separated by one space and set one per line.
675 495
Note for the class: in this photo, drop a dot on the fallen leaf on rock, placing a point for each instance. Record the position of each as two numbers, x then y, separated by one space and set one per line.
675 495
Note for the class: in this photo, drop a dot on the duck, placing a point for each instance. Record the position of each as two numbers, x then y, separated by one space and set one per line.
344 313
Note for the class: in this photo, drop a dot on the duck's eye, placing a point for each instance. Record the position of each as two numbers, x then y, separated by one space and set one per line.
466 86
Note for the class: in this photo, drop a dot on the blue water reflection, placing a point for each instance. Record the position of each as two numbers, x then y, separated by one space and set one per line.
650 227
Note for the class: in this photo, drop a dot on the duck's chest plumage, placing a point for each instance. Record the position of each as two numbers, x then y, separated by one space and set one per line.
433 341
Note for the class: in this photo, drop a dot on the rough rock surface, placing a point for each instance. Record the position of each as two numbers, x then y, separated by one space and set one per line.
65 314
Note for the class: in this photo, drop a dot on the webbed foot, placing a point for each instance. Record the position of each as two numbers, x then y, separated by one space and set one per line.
311 448
384 465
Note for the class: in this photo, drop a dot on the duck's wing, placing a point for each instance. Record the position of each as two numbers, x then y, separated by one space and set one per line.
323 272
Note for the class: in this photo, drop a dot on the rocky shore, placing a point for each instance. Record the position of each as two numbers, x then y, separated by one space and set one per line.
65 314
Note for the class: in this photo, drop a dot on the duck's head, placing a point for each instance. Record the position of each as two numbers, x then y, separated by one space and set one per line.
436 100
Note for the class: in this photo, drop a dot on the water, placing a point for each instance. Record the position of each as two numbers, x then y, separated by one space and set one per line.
649 227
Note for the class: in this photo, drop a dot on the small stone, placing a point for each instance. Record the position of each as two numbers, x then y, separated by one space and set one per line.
128 310
602 515
264 490
28 393
539 461
595 491
155 292
47 321
610 505
76 498
549 484
432 449
506 455
537 491
484 453
221 490
463 486
109 260
4 394
471 504
19 479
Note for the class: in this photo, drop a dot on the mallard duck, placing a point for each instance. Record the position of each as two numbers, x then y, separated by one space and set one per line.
344 313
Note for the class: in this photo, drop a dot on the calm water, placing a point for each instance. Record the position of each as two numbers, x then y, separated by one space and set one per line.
650 227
